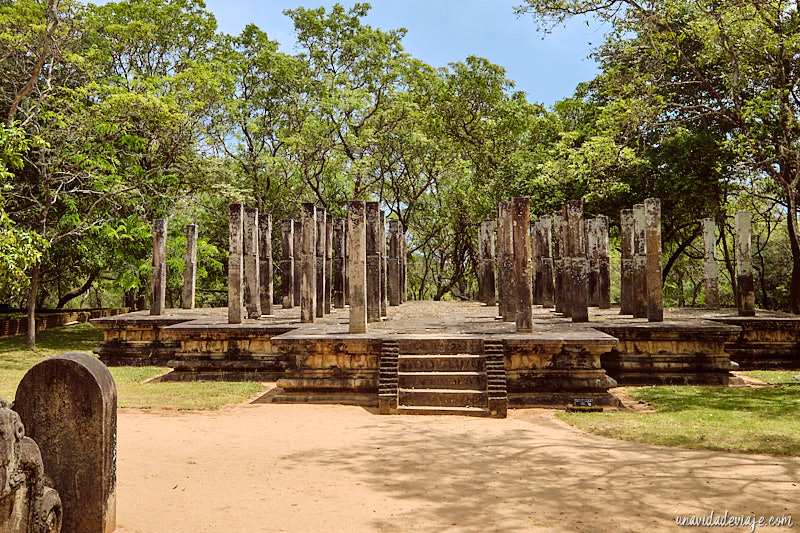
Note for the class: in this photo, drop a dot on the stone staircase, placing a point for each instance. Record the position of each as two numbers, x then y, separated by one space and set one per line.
442 384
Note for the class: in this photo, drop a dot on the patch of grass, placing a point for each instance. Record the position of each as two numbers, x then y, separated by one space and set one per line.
15 361
777 377
714 418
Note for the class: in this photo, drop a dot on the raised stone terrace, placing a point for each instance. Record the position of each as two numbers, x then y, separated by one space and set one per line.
433 356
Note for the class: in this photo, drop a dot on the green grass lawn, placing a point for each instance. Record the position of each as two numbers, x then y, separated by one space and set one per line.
15 360
713 418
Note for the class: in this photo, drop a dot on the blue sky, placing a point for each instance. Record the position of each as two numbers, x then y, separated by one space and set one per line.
547 67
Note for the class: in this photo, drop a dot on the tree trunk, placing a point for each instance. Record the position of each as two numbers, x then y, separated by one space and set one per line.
77 292
30 343
794 294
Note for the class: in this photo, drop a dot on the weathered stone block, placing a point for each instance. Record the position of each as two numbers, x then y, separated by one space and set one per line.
68 404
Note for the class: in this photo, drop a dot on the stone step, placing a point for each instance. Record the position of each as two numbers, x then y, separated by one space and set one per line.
440 363
442 380
428 410
442 398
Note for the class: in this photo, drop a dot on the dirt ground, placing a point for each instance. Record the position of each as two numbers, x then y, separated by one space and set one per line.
316 468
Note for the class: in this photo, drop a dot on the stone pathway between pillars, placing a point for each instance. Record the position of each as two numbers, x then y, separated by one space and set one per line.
316 468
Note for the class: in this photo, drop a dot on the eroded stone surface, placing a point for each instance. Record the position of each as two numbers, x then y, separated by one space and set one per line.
68 404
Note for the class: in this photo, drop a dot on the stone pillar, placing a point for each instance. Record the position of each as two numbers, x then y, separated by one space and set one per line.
535 260
328 261
746 302
639 263
190 267
486 288
298 259
394 262
308 263
252 278
373 263
346 263
626 262
265 273
546 290
287 263
593 258
235 264
403 265
505 253
321 219
339 231
158 273
605 262
655 297
558 262
357 265
710 265
576 276
521 228
384 265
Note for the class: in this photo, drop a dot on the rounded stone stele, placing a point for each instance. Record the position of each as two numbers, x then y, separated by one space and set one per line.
68 404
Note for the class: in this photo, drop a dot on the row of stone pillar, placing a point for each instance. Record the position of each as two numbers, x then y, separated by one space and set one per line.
641 289
745 299
158 276
568 260
249 263
330 282
314 255
375 277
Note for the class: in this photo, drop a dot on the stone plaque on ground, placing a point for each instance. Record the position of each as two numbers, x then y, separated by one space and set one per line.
68 404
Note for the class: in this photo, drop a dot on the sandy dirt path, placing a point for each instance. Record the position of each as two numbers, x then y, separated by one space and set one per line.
317 468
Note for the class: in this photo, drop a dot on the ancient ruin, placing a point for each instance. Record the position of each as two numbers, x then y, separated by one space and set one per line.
553 338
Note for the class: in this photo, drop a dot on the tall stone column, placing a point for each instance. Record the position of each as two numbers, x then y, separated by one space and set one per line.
521 228
655 297
373 263
357 265
746 302
320 262
394 262
298 259
626 262
535 260
710 265
558 262
605 262
287 263
505 252
308 263
252 277
190 267
486 288
158 273
403 265
328 261
639 263
265 263
235 264
593 258
346 263
546 290
339 230
384 265
577 283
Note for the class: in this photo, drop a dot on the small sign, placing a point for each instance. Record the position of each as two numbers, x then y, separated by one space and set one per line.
584 402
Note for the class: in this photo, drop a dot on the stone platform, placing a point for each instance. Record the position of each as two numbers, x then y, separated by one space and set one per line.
443 347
